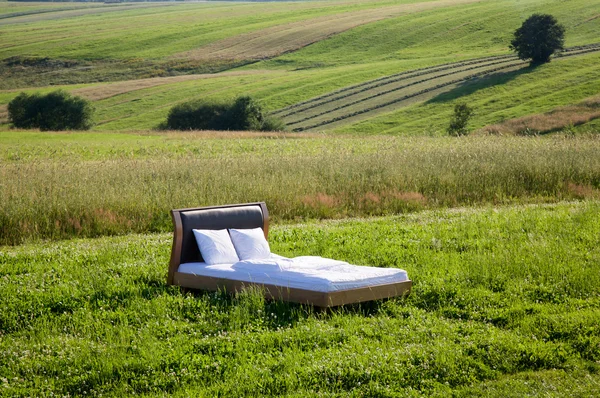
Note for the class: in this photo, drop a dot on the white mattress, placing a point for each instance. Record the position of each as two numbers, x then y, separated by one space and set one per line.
307 272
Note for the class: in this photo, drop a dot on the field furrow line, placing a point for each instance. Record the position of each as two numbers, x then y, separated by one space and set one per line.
44 11
384 92
382 81
400 99
569 52
386 79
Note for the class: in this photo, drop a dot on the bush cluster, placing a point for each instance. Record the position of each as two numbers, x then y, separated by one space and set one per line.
54 111
242 114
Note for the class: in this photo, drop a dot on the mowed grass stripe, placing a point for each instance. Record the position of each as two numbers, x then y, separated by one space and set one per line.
39 11
162 32
72 12
100 92
395 101
412 83
385 80
270 90
494 98
124 110
110 97
469 31
322 99
14 7
150 106
279 39
416 89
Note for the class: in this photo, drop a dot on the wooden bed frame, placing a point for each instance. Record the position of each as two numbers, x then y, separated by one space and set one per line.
252 215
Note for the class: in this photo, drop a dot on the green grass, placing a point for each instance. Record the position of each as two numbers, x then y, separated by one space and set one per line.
12 9
162 30
506 294
120 48
494 98
505 303
452 33
91 184
502 96
157 31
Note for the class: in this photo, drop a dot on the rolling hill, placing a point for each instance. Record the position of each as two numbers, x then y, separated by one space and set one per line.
384 66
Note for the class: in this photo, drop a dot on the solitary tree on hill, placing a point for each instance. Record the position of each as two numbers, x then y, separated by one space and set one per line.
538 38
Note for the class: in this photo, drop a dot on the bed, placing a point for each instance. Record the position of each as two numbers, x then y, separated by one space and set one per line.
306 280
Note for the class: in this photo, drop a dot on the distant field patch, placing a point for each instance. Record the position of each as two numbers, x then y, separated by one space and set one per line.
155 30
276 40
557 119
140 44
392 92
408 103
9 9
96 93
495 98
51 14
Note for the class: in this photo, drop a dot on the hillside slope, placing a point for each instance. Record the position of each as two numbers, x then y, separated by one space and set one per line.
363 101
157 42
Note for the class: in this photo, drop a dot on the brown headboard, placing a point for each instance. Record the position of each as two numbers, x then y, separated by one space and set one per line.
185 249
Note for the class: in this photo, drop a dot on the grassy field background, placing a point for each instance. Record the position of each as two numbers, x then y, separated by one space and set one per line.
498 233
144 104
373 39
89 184
505 303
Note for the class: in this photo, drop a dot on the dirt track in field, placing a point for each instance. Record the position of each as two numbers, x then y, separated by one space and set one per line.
276 40
96 93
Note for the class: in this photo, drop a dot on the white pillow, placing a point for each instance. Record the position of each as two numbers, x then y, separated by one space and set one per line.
215 246
250 244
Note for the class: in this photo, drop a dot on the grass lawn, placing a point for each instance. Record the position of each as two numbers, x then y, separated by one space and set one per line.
505 303
145 104
498 233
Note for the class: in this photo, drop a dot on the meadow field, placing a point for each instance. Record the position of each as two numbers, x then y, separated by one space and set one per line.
59 185
135 61
499 230
505 303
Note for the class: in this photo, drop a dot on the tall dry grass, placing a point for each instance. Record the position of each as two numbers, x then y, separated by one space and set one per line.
305 178
555 120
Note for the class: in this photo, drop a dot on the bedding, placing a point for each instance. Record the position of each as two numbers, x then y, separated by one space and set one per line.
306 272
215 246
250 243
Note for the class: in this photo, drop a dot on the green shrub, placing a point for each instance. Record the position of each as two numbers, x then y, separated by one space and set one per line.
54 111
458 124
244 113
22 111
197 115
271 123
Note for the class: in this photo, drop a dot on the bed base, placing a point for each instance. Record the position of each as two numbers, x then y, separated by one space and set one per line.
295 295
253 215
